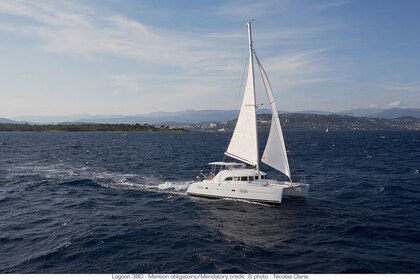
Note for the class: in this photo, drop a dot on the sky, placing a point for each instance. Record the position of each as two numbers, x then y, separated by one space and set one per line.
112 57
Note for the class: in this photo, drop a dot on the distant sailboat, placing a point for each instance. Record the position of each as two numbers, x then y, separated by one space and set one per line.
234 180
326 130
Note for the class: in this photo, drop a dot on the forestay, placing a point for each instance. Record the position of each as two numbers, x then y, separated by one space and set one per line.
275 154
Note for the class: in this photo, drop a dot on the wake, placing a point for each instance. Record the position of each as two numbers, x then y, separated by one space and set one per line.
59 173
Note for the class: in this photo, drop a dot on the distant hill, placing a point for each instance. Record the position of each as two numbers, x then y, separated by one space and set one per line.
200 116
390 113
4 120
289 121
396 113
74 123
361 112
310 112
84 127
320 122
49 119
188 116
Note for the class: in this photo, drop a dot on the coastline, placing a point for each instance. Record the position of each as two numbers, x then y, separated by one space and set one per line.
87 128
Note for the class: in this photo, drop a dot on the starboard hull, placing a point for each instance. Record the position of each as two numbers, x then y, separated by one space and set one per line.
296 191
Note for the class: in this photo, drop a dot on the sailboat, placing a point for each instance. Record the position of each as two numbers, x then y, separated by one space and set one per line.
236 180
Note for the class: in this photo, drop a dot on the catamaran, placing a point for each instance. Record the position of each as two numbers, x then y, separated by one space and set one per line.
236 180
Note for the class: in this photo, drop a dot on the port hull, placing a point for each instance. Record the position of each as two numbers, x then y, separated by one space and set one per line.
268 193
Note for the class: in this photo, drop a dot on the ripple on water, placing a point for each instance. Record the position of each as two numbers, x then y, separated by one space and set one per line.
128 206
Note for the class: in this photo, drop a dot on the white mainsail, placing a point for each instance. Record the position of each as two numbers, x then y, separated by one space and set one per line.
275 154
244 142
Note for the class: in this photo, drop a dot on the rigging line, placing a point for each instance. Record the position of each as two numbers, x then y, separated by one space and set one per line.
240 85
262 79
261 75
238 96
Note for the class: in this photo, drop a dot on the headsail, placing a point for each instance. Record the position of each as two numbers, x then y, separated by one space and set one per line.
275 153
244 142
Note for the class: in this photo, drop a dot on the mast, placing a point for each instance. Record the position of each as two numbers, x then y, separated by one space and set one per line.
251 65
243 145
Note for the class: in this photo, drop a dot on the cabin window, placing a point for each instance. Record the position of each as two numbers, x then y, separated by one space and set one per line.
228 179
251 178
236 178
244 178
263 177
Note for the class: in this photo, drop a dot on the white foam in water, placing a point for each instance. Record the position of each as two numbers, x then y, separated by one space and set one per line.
145 183
136 181
248 201
178 186
104 178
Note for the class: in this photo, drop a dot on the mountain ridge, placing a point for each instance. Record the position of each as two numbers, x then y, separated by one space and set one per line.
198 116
293 121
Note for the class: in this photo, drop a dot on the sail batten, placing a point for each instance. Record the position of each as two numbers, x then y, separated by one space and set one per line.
275 154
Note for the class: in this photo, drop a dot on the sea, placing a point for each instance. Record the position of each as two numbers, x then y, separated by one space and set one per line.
116 202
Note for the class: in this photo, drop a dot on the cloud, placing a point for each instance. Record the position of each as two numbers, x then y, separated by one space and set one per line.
79 30
178 63
71 29
328 5
298 68
303 61
129 25
372 106
54 14
413 87
246 10
394 104
128 82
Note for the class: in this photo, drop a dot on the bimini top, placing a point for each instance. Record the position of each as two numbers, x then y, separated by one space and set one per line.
228 163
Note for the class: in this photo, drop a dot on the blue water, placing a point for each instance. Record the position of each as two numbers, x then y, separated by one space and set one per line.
116 202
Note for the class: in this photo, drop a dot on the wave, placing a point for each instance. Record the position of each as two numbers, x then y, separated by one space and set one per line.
81 182
41 255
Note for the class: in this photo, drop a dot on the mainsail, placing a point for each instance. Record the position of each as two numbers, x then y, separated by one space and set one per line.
275 154
244 143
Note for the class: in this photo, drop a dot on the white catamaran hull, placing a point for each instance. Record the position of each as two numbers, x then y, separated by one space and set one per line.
265 194
272 193
296 191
